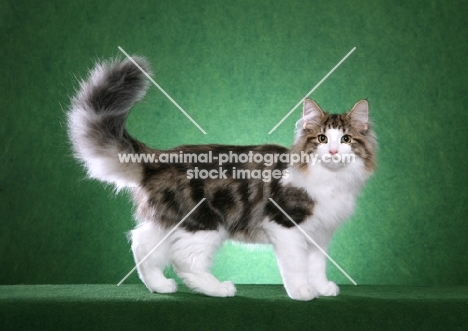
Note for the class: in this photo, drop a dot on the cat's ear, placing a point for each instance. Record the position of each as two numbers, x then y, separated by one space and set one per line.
311 114
359 115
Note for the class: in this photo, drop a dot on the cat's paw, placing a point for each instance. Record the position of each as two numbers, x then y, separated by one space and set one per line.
221 290
303 293
165 286
227 289
329 289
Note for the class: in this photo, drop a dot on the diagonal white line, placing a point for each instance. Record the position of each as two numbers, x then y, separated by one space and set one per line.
314 88
161 89
313 242
162 240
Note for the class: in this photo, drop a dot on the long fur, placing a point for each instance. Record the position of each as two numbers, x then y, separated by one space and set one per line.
318 196
96 121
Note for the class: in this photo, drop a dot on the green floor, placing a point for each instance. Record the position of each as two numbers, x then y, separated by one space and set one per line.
256 307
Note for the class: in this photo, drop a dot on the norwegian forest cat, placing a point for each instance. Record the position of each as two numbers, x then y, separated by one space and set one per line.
318 195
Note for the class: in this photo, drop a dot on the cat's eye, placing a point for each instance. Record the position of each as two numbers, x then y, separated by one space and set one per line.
346 139
322 138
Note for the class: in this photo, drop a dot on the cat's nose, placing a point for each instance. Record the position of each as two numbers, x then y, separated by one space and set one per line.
333 151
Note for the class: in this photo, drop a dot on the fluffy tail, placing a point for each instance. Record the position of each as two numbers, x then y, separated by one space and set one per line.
96 121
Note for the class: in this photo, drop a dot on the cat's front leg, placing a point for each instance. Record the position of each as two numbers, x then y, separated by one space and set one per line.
291 251
317 263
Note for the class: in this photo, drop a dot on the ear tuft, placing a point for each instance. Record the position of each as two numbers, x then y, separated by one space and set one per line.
359 115
311 114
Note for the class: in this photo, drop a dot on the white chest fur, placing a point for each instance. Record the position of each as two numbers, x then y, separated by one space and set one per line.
334 191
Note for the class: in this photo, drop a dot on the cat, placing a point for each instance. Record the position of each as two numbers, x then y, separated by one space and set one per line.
318 195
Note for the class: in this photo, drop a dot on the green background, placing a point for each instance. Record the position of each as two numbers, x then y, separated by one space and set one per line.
237 67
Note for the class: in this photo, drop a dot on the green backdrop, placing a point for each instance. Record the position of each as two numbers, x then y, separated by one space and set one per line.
237 67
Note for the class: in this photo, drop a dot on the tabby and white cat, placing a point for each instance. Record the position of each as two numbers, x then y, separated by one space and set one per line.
317 195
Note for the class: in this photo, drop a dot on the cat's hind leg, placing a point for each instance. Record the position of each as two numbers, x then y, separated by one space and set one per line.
192 254
151 271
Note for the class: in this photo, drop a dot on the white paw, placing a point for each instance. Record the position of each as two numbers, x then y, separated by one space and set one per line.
329 289
225 289
221 290
165 286
303 293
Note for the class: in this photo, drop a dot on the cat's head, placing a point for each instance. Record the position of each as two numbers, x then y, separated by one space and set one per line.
335 140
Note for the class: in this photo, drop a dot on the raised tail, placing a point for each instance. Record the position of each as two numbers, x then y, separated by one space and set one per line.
96 121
